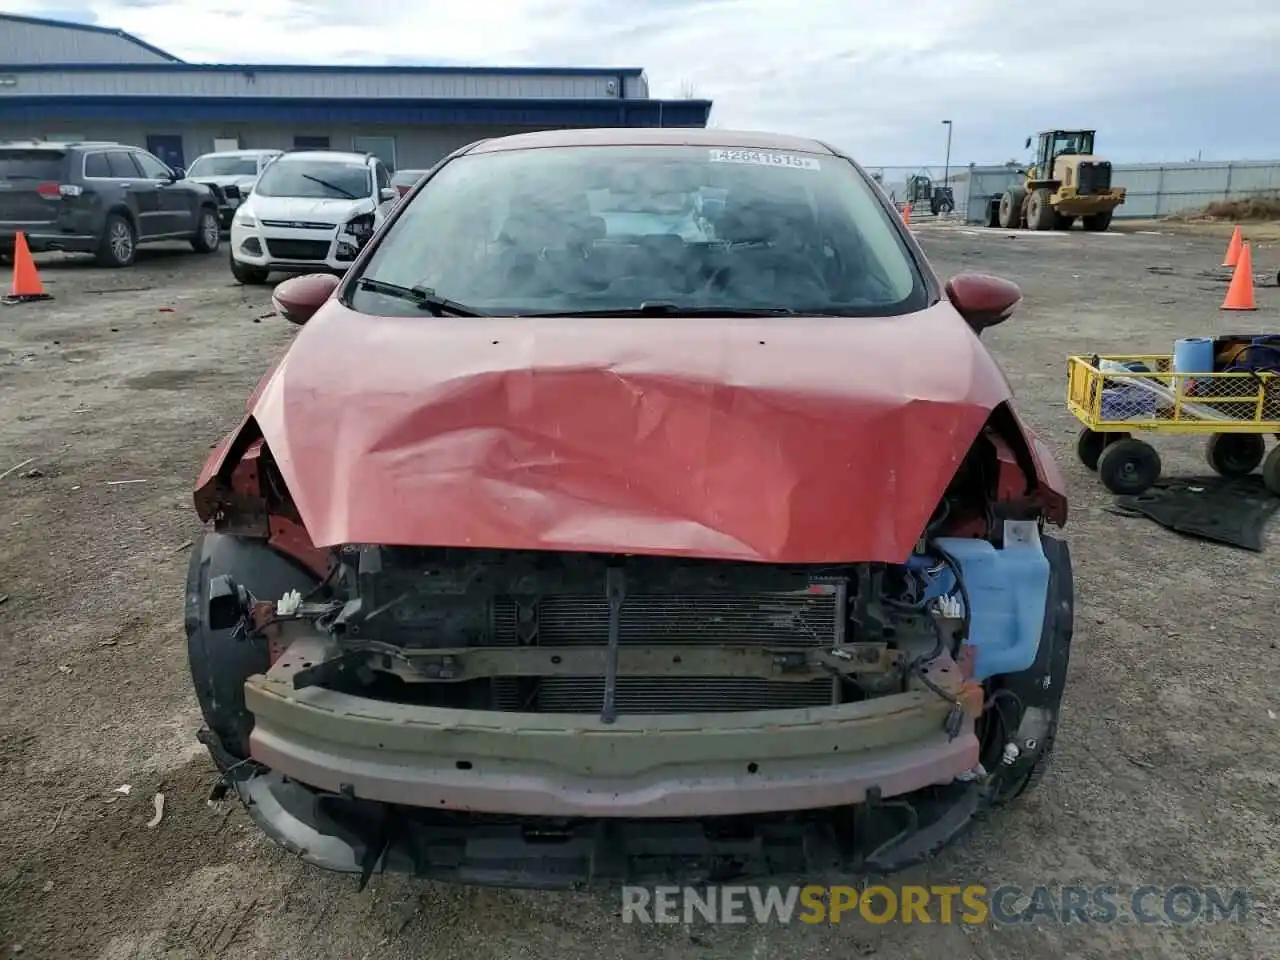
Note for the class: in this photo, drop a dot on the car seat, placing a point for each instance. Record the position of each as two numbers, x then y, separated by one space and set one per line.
777 251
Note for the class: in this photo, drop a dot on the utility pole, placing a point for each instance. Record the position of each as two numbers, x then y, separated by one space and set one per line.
946 169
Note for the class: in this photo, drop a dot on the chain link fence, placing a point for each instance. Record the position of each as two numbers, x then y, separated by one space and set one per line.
1154 189
894 180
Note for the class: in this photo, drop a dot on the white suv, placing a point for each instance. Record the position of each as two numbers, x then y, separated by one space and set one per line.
309 211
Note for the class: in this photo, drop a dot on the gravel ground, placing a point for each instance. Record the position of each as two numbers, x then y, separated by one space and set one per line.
1167 763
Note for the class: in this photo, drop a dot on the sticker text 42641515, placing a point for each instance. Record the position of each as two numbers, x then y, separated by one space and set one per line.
765 158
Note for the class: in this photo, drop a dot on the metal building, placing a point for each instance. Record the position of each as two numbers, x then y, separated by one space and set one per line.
68 81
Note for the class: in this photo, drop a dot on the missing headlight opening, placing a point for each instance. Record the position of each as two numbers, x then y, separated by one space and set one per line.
361 227
355 234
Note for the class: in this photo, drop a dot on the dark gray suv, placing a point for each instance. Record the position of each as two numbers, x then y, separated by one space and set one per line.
100 198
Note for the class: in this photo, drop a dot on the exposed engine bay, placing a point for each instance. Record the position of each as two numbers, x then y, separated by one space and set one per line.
585 633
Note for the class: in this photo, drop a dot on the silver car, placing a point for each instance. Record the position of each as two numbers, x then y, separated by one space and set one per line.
231 174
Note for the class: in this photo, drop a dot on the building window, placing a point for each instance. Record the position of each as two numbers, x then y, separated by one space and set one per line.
311 143
384 148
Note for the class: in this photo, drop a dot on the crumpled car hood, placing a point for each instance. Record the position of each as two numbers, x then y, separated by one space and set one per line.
813 440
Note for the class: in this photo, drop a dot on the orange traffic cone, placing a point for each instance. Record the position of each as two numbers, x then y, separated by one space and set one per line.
906 214
1233 248
1240 293
26 286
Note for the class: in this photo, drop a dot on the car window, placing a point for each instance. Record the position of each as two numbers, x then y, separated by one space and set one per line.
315 179
95 165
152 168
122 166
604 228
31 164
216 166
384 179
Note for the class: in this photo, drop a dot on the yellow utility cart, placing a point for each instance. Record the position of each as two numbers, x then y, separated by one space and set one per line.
1115 395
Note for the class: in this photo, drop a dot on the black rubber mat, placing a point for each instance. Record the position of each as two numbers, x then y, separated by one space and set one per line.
1234 512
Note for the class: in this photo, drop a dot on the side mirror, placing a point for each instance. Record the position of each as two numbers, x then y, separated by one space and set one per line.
983 300
1027 145
178 173
298 299
388 193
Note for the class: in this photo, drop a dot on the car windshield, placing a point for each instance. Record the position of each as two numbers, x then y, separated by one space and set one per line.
315 180
615 228
214 166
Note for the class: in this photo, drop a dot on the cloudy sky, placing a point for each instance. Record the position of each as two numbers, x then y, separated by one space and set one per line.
1159 79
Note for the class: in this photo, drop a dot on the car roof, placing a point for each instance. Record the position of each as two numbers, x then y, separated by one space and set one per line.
57 144
333 156
239 153
653 137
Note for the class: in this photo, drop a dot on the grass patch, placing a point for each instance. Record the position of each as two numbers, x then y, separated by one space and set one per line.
1243 210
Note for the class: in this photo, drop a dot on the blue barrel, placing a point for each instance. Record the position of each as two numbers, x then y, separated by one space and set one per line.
1193 355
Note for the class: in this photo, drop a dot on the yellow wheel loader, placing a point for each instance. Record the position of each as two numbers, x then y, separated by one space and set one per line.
1067 181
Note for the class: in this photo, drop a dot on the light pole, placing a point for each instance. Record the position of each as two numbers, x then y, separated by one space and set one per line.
946 169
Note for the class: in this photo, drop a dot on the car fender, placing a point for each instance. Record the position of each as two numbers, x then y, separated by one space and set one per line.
1049 480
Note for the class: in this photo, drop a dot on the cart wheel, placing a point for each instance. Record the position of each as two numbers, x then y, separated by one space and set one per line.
1271 471
1128 467
1091 443
1235 454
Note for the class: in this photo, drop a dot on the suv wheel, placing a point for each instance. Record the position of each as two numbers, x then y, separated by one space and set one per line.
119 244
208 234
247 273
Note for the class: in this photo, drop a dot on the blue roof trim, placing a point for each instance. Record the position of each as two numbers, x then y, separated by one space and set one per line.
539 112
92 28
182 67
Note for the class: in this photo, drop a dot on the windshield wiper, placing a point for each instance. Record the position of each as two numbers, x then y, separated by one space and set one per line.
423 297
346 194
662 308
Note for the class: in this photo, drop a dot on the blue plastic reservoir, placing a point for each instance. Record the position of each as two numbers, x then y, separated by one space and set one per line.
1193 355
1007 589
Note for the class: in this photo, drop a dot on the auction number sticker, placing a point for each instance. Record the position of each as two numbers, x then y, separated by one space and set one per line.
764 158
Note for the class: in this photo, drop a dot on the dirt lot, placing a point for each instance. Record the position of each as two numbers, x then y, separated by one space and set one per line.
1166 770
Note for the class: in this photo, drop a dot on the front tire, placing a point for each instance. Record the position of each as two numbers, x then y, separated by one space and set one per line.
1011 209
247 273
1040 213
1129 467
208 233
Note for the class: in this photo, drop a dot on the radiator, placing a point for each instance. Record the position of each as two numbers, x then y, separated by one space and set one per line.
782 620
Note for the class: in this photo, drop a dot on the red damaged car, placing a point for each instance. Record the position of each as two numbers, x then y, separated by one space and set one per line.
639 505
